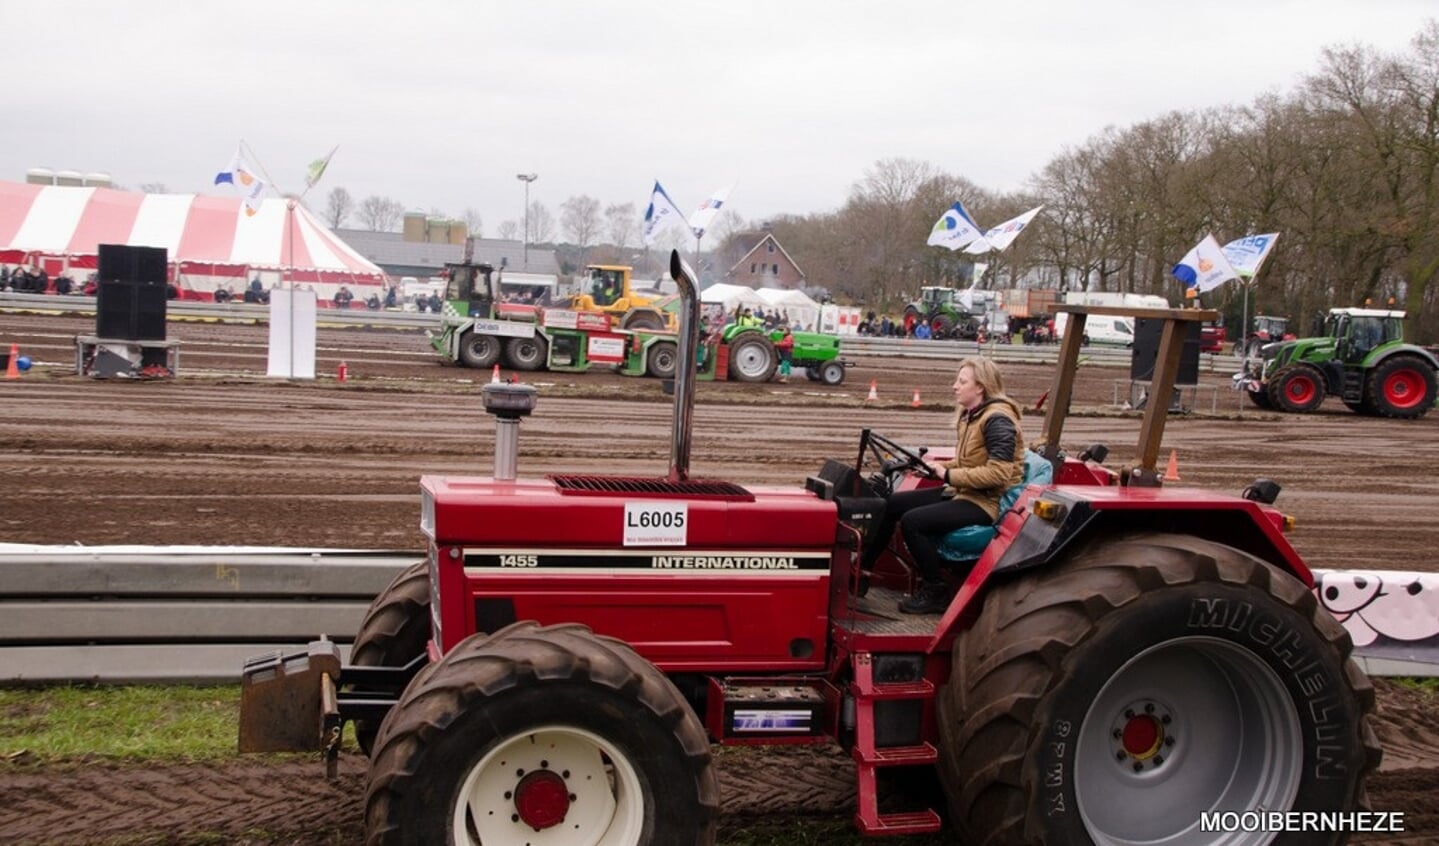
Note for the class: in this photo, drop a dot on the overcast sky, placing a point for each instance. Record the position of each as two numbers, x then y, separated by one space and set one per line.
440 104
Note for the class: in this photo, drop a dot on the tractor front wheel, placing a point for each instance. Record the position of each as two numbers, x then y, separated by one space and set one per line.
1402 386
479 351
662 359
1297 389
526 353
752 357
542 735
831 373
394 632
1144 685
1260 399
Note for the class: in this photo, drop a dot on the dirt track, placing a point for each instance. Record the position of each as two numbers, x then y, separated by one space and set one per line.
223 456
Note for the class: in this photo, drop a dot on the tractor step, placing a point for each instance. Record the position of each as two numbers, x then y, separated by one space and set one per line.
897 756
876 692
910 822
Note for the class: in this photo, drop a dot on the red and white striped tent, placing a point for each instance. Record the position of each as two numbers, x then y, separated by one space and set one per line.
211 241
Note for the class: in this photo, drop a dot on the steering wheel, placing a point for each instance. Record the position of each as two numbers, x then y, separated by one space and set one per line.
894 461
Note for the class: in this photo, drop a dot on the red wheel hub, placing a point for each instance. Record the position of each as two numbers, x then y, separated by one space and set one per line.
1403 389
1142 736
542 799
1300 389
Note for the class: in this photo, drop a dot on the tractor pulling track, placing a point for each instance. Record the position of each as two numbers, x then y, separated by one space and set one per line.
223 456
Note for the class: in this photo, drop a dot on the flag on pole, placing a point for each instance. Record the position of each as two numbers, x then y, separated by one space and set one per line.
1204 268
1247 254
239 174
705 214
1000 237
661 214
317 168
954 229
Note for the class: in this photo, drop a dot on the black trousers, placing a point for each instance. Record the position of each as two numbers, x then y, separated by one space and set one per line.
924 517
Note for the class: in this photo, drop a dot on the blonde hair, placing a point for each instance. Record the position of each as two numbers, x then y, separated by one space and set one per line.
986 375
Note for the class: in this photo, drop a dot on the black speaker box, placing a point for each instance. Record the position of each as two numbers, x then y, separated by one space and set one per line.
1146 351
132 264
130 311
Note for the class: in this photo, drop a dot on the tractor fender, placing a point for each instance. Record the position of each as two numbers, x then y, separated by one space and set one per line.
1408 349
1027 542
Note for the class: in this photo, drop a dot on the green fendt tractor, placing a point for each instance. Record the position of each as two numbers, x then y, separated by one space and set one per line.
1362 358
945 311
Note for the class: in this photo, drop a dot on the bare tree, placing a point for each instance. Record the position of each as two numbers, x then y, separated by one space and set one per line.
510 230
338 206
621 222
380 214
580 220
542 224
473 222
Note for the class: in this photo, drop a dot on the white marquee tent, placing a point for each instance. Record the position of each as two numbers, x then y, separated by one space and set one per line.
211 240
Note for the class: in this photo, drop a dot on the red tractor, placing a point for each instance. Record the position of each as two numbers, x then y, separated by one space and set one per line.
1123 663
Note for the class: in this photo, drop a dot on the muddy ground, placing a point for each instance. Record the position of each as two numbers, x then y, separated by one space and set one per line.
222 455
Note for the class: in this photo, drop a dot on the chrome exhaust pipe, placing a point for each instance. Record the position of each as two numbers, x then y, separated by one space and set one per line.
689 329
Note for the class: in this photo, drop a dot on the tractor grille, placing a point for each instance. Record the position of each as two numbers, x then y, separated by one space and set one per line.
581 485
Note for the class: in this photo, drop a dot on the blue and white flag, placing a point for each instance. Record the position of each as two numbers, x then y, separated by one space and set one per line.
1204 268
954 229
1248 253
661 214
1000 237
239 174
705 214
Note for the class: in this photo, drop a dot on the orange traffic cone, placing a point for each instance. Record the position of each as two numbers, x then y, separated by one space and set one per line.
12 370
873 391
342 372
495 376
1171 473
915 403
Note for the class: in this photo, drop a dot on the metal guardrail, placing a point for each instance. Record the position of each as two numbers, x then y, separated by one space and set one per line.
853 345
191 617
155 615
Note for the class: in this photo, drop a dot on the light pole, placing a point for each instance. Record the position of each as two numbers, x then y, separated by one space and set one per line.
527 178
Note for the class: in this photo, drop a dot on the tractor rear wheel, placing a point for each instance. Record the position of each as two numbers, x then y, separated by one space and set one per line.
395 631
542 734
642 318
1401 386
661 360
479 351
1297 389
1143 683
752 357
831 373
941 327
526 353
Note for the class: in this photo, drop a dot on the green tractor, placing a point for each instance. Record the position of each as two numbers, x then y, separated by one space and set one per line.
753 357
1362 357
945 312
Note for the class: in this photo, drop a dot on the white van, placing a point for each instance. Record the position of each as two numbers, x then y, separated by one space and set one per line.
1101 330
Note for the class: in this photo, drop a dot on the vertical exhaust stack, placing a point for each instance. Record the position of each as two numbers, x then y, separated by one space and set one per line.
508 402
689 329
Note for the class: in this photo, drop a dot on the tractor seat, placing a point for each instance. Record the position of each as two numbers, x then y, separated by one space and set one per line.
968 543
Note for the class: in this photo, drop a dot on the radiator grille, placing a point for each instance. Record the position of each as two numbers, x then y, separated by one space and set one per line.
650 487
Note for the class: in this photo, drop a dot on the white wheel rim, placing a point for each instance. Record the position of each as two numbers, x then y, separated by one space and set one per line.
606 806
1231 741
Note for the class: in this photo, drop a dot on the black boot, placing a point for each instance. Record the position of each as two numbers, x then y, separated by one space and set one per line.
928 598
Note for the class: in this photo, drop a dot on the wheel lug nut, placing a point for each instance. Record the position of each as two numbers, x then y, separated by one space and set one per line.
1138 767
